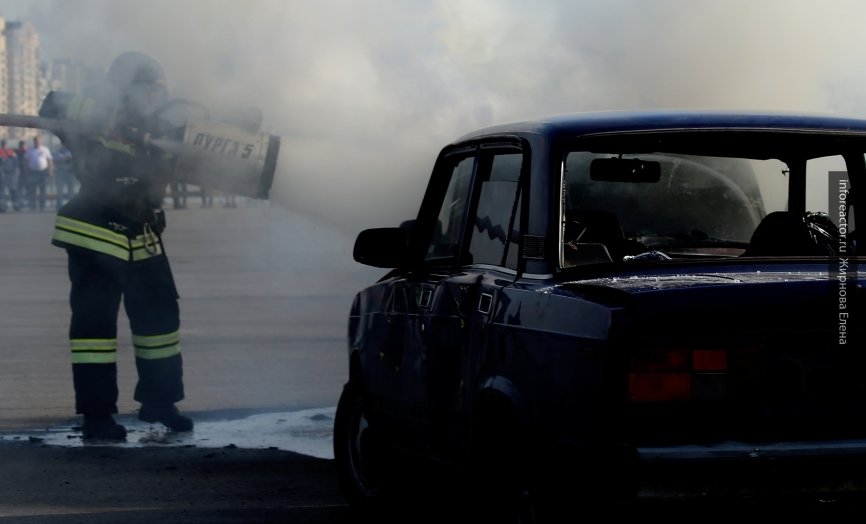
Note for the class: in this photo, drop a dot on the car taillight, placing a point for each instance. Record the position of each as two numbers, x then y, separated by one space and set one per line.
678 374
710 360
658 387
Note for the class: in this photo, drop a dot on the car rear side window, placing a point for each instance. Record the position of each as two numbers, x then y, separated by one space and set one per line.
495 234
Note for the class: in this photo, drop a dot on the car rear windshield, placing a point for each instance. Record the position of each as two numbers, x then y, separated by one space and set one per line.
676 196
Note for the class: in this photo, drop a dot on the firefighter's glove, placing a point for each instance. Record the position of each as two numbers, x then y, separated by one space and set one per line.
158 223
154 218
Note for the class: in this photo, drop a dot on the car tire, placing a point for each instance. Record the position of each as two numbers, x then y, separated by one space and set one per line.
358 453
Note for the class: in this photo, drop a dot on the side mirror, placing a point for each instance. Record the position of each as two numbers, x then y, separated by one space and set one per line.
382 247
624 170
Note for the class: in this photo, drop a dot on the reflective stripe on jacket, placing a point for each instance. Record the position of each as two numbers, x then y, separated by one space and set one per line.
69 232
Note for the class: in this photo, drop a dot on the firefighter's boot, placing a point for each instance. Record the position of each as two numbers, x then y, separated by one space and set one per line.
166 415
102 427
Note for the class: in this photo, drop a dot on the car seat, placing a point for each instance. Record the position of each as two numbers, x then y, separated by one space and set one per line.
593 226
783 233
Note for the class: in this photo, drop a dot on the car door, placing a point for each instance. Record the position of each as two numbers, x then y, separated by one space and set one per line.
478 225
401 371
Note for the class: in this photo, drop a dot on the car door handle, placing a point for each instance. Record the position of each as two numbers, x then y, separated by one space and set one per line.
425 297
485 303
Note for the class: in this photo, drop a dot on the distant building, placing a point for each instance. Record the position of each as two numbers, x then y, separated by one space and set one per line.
4 84
24 88
25 80
22 55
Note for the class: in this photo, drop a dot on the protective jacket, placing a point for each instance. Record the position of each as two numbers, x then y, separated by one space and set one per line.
118 209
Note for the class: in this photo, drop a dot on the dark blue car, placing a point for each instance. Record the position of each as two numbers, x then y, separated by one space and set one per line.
618 304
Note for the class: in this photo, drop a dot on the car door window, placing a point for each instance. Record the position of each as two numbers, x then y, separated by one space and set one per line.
445 243
492 203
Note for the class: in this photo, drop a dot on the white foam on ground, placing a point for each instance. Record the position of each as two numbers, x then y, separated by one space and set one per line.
308 432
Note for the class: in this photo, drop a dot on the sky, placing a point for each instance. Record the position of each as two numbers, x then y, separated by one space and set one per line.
364 94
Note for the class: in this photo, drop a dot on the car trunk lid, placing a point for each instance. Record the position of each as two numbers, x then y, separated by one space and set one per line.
734 355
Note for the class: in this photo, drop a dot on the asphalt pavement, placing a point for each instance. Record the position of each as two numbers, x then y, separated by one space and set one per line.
108 484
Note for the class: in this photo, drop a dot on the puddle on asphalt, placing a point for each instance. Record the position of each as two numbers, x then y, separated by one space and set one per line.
308 432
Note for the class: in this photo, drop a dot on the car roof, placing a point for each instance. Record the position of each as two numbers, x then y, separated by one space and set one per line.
574 124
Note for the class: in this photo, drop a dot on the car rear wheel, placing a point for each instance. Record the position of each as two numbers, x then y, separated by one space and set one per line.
357 451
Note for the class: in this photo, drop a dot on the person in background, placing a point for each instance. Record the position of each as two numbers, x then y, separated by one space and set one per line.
8 177
206 197
23 173
178 194
2 183
40 167
64 176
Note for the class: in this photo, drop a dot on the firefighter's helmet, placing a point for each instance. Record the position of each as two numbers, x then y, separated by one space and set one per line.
140 80
135 68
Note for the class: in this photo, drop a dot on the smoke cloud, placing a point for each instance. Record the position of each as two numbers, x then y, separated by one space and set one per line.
364 94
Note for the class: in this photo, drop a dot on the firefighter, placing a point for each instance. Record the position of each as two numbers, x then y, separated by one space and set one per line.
111 231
